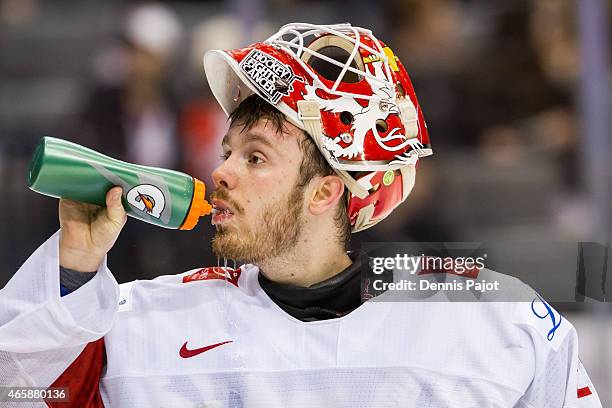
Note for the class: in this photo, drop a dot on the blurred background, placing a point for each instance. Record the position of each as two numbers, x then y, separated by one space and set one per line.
516 95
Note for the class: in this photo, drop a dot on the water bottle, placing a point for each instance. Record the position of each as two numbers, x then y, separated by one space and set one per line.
166 198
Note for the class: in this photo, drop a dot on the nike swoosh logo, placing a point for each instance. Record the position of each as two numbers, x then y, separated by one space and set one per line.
186 353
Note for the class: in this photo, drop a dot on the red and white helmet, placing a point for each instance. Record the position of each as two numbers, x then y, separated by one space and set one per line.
349 92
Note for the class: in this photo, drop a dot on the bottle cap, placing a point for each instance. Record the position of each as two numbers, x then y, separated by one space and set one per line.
199 206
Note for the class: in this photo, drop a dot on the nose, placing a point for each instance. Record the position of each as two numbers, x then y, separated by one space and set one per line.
224 176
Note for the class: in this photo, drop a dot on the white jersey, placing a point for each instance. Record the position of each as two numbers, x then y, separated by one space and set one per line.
213 338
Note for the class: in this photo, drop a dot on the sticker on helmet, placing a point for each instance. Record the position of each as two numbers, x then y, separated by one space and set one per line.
388 177
147 198
391 58
270 76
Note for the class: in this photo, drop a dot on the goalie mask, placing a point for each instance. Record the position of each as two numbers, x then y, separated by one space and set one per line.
349 92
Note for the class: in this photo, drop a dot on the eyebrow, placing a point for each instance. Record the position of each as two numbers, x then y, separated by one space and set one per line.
251 136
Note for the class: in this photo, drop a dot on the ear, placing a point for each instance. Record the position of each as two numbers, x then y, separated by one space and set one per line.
326 193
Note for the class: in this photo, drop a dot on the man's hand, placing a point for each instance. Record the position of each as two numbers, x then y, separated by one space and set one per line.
89 231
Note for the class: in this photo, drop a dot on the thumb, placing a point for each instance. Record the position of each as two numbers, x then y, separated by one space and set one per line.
115 209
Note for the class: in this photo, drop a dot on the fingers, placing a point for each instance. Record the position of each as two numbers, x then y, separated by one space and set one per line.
73 205
74 211
115 209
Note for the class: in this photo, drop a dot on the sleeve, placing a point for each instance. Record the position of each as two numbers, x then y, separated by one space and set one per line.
46 338
560 379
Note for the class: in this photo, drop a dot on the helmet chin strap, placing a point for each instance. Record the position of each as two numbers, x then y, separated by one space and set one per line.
310 114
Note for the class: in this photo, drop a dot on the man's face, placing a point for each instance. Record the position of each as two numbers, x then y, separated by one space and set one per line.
262 213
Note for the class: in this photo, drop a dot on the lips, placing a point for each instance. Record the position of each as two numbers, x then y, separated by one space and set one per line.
221 206
221 212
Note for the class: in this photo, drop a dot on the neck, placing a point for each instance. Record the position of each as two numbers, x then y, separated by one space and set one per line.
307 263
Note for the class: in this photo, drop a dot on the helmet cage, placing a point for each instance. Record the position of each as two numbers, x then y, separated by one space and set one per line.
295 47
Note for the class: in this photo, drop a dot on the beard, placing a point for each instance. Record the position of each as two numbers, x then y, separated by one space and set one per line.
275 233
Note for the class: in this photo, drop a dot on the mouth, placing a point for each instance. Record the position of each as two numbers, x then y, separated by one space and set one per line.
221 212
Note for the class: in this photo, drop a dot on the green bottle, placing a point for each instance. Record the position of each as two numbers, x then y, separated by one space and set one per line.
166 198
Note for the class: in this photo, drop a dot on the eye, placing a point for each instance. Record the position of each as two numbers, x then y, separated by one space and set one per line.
255 159
225 156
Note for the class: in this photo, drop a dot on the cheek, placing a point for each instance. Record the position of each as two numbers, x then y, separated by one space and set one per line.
278 177
270 188
268 185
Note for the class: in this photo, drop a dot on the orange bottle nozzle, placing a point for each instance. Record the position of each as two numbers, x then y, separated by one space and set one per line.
199 206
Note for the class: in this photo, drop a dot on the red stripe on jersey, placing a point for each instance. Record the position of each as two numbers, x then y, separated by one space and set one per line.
82 378
227 274
584 392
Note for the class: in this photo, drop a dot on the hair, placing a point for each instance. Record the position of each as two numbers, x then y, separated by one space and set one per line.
253 109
